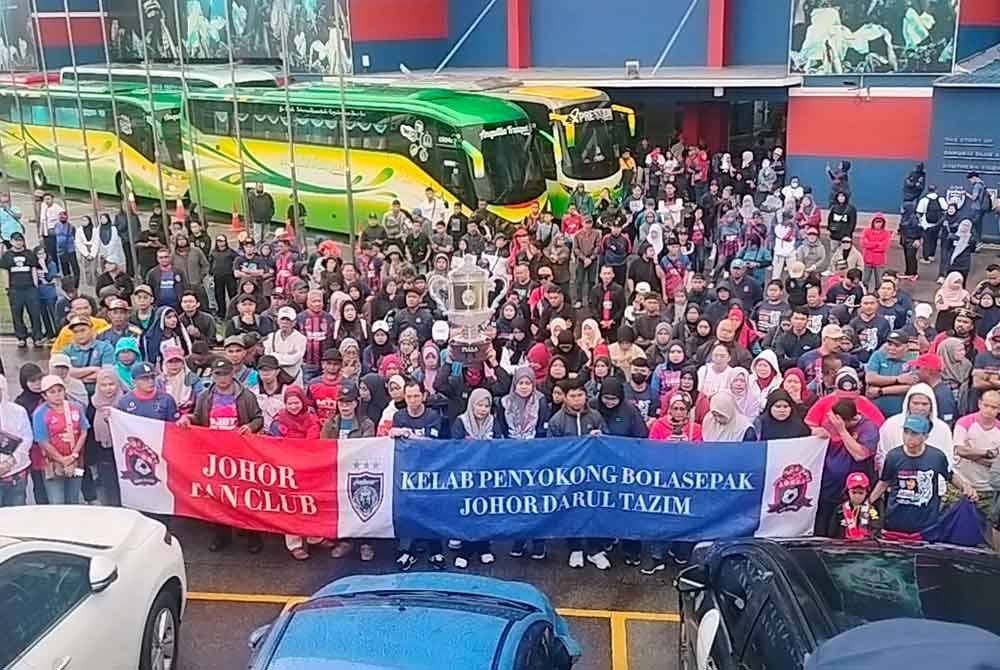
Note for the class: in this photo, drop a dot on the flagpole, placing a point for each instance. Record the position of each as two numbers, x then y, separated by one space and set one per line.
300 232
125 187
339 17
187 94
48 100
244 199
164 226
79 109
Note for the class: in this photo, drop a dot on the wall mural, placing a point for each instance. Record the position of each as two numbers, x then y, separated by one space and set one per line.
318 36
831 37
17 36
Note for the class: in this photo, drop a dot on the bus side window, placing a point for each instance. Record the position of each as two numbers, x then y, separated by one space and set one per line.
5 108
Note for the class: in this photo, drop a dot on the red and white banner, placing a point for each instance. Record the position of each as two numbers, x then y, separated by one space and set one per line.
317 488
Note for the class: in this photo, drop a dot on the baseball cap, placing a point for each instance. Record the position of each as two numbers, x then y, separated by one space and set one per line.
857 480
738 263
221 365
140 370
79 320
643 288
286 313
927 361
48 381
59 361
234 341
17 236
268 363
917 424
896 337
143 288
332 355
923 310
832 331
172 353
278 291
380 325
349 343
796 269
246 297
348 391
847 380
118 304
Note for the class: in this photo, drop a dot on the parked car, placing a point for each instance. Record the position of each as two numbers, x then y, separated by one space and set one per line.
88 587
418 621
754 604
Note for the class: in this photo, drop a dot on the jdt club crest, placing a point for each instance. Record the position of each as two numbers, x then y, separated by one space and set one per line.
790 490
140 463
366 490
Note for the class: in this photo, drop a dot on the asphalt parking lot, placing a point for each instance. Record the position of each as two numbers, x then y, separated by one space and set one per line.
623 620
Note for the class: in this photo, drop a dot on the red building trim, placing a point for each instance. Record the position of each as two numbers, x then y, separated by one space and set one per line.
398 20
716 43
87 30
518 34
853 126
979 13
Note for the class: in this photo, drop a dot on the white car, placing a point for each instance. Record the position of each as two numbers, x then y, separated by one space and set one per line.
84 588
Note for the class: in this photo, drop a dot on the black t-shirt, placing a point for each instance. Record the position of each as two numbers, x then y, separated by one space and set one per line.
896 315
146 256
839 295
871 334
458 225
914 499
20 265
642 271
819 316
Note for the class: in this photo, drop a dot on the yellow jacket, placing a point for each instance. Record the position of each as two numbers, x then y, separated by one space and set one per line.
66 335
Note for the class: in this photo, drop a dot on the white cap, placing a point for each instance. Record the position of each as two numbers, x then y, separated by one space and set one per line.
48 381
286 313
643 287
380 325
923 310
440 331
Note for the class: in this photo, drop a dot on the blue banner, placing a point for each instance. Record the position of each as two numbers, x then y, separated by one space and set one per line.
602 487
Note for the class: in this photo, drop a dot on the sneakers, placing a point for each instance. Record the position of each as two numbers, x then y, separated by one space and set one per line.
22 344
517 551
576 559
632 561
679 561
599 560
655 565
367 552
454 545
406 561
436 560
487 558
461 562
538 554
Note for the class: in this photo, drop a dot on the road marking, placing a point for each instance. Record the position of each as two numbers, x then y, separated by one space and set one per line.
619 642
288 601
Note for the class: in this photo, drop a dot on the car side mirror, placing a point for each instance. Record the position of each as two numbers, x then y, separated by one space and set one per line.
692 579
102 574
257 637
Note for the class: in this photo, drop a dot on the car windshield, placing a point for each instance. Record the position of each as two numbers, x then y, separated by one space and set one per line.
590 150
513 167
860 585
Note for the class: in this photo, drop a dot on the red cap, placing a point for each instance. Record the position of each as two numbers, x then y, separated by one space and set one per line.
857 480
927 361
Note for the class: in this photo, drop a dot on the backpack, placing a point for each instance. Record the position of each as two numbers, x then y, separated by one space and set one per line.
934 211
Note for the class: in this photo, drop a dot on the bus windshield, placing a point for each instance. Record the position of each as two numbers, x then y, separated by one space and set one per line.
171 152
590 149
513 169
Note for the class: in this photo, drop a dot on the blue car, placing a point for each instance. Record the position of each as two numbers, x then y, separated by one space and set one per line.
418 621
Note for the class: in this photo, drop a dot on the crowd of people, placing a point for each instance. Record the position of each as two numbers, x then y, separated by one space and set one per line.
715 301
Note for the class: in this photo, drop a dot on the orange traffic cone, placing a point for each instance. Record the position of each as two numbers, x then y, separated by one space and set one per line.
236 224
179 213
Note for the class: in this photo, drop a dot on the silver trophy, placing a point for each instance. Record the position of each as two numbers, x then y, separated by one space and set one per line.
464 298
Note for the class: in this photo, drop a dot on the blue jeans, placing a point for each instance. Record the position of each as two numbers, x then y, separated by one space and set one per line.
13 492
63 490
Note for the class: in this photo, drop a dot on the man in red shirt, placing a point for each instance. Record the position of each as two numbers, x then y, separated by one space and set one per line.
324 391
317 325
572 221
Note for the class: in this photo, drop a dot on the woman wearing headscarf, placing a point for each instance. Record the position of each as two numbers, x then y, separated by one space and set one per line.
30 378
746 210
746 399
111 248
178 381
590 337
947 233
101 459
956 371
699 339
387 299
621 417
576 358
127 354
166 331
675 423
394 386
767 179
747 172
794 384
963 246
951 297
477 422
524 415
558 371
374 397
687 327
656 352
380 347
409 343
538 359
350 324
724 421
809 214
430 365
602 368
296 420
390 365
746 334
781 419
765 375
989 314
666 377
88 247
515 348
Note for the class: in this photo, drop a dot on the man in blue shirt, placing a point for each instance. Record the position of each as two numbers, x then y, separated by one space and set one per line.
885 377
87 354
145 399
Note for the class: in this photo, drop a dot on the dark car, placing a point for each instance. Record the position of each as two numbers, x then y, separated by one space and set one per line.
757 604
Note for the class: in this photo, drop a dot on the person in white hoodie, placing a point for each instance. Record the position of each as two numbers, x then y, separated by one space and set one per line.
785 234
287 344
15 442
765 375
918 400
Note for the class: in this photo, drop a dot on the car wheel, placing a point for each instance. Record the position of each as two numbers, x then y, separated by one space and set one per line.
38 178
160 641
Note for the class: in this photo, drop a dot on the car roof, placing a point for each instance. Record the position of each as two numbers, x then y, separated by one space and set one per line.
405 621
86 525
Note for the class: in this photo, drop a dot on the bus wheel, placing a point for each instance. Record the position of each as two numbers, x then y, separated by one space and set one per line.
38 178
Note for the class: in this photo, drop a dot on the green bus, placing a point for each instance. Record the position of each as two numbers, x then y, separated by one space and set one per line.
42 137
466 147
